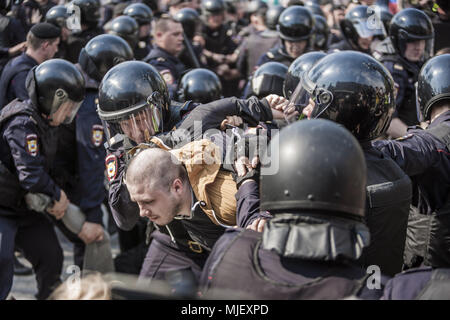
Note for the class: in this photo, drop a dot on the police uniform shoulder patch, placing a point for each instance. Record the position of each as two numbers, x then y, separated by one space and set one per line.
97 135
111 167
167 76
406 136
141 44
398 67
270 55
32 144
160 59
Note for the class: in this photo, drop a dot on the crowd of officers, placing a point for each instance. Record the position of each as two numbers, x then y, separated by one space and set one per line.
103 104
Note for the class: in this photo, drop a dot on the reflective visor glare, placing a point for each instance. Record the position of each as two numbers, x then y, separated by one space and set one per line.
299 100
142 125
420 117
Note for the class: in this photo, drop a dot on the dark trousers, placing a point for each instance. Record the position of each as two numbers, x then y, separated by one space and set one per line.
163 256
35 237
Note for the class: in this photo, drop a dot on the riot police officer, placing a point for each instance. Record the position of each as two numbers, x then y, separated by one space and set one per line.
58 16
412 35
127 28
146 113
83 179
164 55
143 16
423 155
321 33
309 248
267 79
89 20
200 86
259 43
355 90
296 29
218 45
358 30
28 145
296 69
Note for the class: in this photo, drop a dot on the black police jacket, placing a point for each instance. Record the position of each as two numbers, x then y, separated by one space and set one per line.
27 150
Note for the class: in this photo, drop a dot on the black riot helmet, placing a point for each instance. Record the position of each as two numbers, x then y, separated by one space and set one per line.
133 100
139 12
350 88
386 17
433 85
5 6
268 79
411 25
297 68
57 16
190 19
321 33
56 87
296 23
320 167
360 22
90 11
102 53
127 28
272 15
315 8
200 85
211 7
256 7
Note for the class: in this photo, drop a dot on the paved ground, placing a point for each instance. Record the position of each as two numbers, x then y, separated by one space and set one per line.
24 287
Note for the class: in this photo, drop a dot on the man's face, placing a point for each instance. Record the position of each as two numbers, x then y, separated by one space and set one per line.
295 49
172 39
157 204
50 49
364 43
338 15
415 50
215 20
65 110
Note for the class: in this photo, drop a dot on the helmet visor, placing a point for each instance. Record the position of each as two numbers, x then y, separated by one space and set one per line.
308 95
420 115
65 112
366 29
139 126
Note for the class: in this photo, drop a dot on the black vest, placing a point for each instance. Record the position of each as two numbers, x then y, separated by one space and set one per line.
388 194
11 194
239 272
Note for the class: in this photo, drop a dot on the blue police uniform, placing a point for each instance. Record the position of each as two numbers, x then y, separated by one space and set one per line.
28 146
424 156
12 81
169 66
79 164
405 75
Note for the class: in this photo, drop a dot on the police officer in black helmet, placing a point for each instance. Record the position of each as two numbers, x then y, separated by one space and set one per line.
358 29
79 164
88 22
127 28
412 36
355 90
143 16
296 69
135 106
423 155
295 26
308 250
267 79
28 144
58 16
199 86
